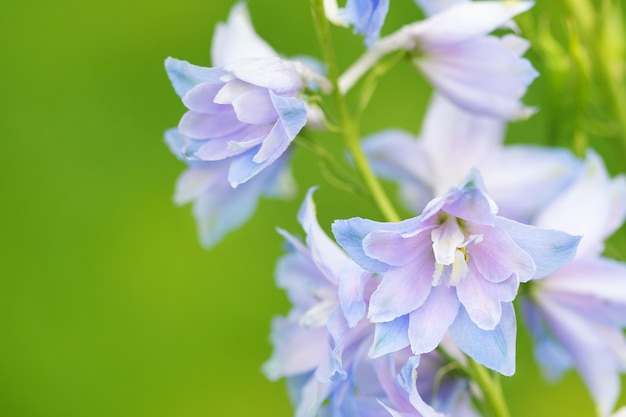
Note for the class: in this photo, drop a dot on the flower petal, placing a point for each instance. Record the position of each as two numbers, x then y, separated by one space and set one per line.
549 249
429 323
184 76
402 289
493 348
390 337
236 39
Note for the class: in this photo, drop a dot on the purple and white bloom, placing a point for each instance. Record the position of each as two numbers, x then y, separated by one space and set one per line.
247 108
520 178
218 207
315 343
456 267
577 313
451 48
401 385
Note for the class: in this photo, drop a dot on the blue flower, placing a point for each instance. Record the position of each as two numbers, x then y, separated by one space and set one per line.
314 343
576 314
521 179
245 110
451 48
218 207
455 267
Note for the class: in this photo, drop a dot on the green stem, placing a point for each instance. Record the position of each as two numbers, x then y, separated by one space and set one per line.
349 129
491 389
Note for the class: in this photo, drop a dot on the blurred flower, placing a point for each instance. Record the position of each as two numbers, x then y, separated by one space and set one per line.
328 292
452 47
367 17
248 108
521 179
217 207
455 267
577 313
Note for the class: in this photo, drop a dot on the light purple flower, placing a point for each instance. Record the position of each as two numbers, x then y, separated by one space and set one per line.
480 73
245 110
520 178
401 385
314 343
576 314
455 267
217 207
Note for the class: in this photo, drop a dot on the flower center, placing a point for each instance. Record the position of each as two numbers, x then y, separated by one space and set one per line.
450 251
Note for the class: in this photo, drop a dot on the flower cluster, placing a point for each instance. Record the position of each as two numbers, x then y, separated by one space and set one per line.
412 317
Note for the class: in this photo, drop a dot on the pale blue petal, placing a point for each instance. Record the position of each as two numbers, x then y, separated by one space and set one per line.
469 20
350 234
429 323
236 39
480 299
334 263
524 178
184 76
392 248
273 73
296 350
554 359
327 256
196 180
207 126
471 202
594 197
291 112
390 337
496 257
200 99
367 17
480 75
549 249
402 289
592 350
493 348
175 143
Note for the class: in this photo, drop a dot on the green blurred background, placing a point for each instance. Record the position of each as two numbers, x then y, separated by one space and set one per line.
108 305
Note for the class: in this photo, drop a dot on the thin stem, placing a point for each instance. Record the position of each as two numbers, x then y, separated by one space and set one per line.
490 388
349 128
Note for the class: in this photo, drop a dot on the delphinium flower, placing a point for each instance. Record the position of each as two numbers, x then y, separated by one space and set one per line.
401 385
576 314
217 206
520 178
248 107
456 267
242 116
480 73
323 345
313 344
